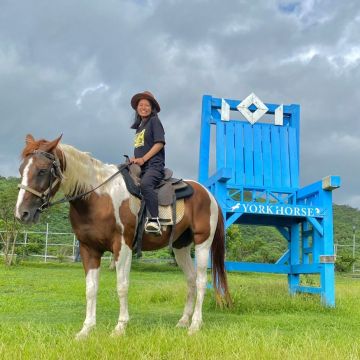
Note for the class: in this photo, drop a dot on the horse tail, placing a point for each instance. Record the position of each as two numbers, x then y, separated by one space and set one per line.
222 294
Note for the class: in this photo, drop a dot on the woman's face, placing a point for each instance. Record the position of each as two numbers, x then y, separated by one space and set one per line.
144 108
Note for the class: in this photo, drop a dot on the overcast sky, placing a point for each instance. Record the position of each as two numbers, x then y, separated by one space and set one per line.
71 67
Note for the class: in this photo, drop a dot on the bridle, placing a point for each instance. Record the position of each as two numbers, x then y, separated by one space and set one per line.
55 179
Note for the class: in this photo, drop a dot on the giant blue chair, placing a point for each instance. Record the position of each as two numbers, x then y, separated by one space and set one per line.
256 182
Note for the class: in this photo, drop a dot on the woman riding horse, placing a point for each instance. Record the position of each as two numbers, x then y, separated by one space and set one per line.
149 153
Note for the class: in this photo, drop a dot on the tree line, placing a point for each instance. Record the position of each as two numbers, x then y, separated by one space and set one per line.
244 243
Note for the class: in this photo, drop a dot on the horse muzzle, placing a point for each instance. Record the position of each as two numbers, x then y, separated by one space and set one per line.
28 216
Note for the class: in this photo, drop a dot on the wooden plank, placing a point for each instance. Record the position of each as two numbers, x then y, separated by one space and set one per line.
284 157
257 267
204 153
284 258
222 175
275 155
225 110
248 154
230 147
258 158
294 247
331 182
294 158
287 109
239 153
266 150
220 145
309 289
234 217
306 268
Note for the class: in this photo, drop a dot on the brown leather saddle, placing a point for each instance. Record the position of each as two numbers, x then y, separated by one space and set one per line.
169 190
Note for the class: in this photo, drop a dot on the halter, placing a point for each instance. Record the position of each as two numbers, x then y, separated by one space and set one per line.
55 174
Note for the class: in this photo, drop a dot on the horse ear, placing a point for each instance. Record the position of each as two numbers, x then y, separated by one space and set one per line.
29 139
50 146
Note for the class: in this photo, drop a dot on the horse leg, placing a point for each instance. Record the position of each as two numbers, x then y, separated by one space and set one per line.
185 262
203 240
91 262
202 256
123 265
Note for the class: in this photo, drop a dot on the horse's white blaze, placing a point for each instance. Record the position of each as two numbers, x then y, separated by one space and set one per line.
24 182
185 262
202 256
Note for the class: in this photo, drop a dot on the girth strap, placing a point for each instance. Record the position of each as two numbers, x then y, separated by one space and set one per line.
173 214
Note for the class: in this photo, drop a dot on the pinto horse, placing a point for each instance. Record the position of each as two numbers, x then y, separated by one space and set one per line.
103 220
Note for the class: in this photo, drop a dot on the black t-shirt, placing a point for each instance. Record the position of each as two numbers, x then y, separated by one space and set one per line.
147 134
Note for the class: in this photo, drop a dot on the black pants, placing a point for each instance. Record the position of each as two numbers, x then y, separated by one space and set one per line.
150 178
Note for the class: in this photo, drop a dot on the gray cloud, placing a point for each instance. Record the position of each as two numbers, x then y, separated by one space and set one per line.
72 67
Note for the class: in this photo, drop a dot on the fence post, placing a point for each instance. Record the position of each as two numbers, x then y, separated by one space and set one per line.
74 242
353 250
46 240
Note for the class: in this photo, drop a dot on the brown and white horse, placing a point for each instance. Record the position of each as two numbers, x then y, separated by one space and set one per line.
103 221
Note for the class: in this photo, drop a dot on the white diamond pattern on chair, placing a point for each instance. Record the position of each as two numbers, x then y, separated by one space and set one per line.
252 117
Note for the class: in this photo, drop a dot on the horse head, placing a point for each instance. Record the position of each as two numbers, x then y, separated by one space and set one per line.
41 174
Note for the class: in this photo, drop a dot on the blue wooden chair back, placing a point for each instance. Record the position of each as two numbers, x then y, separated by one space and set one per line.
261 155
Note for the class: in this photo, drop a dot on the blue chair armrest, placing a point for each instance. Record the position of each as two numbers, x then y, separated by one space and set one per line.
328 183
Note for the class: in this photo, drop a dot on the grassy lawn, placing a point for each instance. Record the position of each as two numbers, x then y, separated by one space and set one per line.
42 306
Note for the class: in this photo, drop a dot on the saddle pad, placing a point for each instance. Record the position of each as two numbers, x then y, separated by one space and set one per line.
165 212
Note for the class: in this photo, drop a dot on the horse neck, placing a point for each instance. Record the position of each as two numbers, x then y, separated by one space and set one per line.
82 172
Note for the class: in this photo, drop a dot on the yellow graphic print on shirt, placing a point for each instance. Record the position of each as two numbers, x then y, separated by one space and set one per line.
139 139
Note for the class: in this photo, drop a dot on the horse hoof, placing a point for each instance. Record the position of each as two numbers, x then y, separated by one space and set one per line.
116 333
182 324
193 331
81 336
194 328
119 329
84 332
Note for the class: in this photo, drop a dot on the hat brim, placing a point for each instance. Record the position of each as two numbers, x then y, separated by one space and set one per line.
137 97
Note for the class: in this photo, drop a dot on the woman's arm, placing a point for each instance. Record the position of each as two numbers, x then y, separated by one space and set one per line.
153 151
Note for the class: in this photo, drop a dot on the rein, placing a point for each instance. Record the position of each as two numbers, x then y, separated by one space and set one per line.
75 197
55 173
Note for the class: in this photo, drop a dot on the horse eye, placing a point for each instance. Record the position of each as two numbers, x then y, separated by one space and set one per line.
42 172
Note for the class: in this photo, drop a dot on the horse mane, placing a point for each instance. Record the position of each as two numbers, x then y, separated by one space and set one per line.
83 172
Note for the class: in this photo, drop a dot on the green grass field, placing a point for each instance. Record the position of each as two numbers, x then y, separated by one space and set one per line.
42 306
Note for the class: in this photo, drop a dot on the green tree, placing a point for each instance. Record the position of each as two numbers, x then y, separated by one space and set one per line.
8 224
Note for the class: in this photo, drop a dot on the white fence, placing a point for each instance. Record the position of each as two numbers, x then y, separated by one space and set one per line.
50 245
64 245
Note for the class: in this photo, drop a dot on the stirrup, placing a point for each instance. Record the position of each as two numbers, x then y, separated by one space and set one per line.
152 226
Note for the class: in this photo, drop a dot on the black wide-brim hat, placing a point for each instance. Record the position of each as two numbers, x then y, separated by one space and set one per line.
144 95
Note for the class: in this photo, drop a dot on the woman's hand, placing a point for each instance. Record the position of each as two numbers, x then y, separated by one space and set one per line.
138 161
